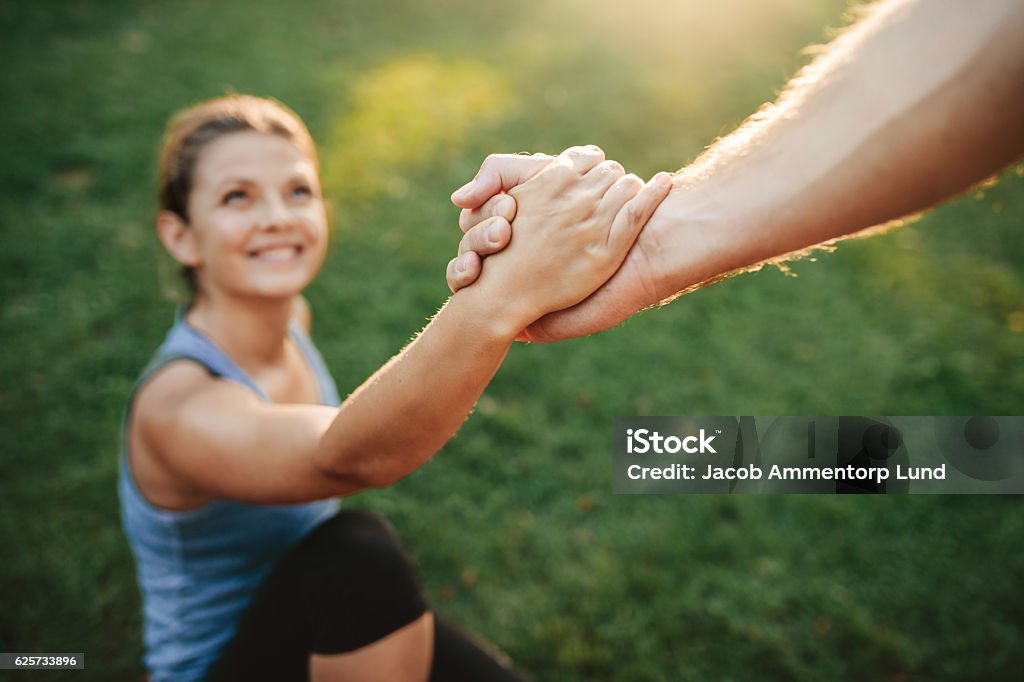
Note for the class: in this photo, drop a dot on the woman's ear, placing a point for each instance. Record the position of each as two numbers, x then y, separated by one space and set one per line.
178 238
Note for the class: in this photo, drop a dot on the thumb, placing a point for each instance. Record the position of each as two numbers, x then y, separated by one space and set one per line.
499 173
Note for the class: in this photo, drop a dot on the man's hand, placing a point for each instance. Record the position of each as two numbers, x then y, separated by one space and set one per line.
574 222
487 210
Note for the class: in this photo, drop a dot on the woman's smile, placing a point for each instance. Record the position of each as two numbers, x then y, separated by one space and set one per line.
276 253
258 219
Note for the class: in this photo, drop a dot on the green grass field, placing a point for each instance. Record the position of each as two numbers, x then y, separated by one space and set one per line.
513 524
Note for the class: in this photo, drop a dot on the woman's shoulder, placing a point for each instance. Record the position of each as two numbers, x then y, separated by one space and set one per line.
170 400
169 387
183 391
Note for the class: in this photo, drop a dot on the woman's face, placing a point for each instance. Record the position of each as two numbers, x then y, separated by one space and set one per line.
259 220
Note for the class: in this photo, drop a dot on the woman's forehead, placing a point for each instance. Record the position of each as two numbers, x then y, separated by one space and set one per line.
252 156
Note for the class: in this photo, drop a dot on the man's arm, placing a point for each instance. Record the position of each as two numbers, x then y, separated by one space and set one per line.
915 103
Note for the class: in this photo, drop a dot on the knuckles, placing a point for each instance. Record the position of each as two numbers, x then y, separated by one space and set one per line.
563 172
632 183
611 166
589 151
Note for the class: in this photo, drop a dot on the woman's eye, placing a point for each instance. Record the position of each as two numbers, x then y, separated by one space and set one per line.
235 196
302 191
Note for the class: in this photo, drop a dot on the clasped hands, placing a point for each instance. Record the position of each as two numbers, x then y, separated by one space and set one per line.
515 193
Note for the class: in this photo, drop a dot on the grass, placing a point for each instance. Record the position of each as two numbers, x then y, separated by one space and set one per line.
513 524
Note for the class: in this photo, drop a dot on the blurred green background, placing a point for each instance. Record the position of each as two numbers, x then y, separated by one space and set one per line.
513 524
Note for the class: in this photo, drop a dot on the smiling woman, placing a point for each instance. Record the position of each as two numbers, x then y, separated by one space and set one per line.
235 445
513 525
250 179
224 181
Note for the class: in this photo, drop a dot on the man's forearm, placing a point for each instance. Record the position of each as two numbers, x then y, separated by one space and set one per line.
912 105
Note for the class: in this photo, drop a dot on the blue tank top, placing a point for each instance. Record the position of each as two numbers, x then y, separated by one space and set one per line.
198 569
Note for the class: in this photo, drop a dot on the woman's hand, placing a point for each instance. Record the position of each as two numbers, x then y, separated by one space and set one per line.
488 230
482 199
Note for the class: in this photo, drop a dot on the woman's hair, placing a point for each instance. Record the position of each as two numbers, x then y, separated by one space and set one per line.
192 130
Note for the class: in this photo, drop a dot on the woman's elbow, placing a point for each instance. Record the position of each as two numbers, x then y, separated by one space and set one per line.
356 475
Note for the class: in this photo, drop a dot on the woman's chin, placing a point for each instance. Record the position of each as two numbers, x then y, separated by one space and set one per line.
278 287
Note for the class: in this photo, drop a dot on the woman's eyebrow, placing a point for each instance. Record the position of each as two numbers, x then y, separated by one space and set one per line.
303 178
233 181
302 172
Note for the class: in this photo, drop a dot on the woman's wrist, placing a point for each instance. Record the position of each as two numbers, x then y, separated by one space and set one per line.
492 316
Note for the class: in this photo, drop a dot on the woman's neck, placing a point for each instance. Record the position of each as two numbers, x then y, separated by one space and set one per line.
252 331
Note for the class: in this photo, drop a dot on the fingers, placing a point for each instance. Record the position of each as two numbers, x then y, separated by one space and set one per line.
567 170
502 172
501 205
583 159
490 236
636 211
499 173
602 176
462 271
574 162
621 191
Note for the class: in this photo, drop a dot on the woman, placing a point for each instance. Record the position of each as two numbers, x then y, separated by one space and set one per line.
234 444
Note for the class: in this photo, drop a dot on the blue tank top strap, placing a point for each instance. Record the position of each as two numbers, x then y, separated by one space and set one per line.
328 389
185 342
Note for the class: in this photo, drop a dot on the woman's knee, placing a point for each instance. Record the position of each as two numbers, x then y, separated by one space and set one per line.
372 585
362 541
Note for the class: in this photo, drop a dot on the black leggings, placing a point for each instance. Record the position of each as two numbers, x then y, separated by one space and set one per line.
345 585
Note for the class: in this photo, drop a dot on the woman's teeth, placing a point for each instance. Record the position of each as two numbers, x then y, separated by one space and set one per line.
277 253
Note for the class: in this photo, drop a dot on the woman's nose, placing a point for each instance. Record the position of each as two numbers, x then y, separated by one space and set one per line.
275 215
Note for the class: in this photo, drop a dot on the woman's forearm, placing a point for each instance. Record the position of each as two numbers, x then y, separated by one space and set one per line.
575 221
409 408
